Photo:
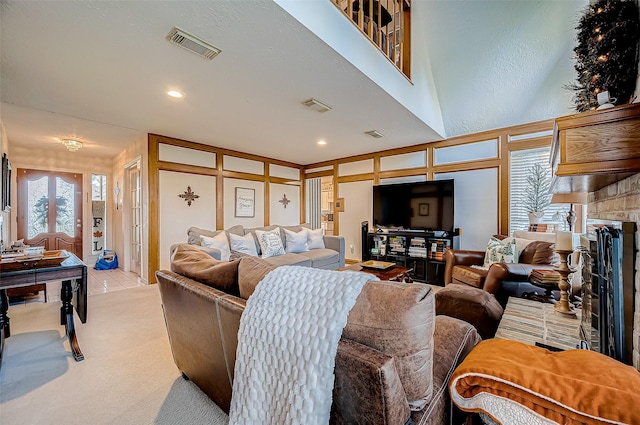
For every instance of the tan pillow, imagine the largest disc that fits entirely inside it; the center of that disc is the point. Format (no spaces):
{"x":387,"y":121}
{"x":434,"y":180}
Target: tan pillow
{"x":398,"y":320}
{"x":197,"y":265}
{"x":251,"y":270}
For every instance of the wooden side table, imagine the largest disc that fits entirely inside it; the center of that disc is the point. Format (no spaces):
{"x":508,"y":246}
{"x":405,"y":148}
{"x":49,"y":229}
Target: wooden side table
{"x":534,"y":322}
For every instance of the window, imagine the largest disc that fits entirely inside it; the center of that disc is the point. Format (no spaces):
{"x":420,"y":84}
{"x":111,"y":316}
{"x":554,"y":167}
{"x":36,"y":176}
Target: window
{"x":520,"y":163}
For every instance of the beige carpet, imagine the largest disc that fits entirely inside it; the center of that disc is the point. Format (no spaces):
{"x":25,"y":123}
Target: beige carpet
{"x":128,"y":375}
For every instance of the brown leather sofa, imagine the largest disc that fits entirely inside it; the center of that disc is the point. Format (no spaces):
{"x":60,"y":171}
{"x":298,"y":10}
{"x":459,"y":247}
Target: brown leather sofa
{"x":501,"y":279}
{"x":202,"y":314}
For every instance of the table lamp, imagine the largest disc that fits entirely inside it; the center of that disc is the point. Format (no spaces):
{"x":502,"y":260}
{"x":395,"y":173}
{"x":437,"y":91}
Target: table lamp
{"x":570,"y":198}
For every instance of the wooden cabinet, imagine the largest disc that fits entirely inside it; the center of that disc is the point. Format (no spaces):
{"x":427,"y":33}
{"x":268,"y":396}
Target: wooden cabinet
{"x":592,"y":150}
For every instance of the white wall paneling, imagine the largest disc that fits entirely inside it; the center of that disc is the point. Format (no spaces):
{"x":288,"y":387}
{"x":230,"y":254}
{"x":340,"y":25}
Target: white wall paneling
{"x":278,"y":213}
{"x":405,"y":160}
{"x":407,"y":179}
{"x":176,"y":216}
{"x":187,"y":156}
{"x":356,"y":167}
{"x":284,"y":172}
{"x":233,"y":163}
{"x":358,"y":207}
{"x":468,"y":152}
{"x":229,"y":203}
{"x":530,"y":135}
{"x":475,"y":205}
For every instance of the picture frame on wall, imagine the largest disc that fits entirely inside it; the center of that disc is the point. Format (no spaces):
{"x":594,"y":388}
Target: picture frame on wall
{"x":423,"y":209}
{"x":245,"y":202}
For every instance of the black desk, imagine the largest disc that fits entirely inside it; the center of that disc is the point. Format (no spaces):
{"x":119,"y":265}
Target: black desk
{"x":73,"y":274}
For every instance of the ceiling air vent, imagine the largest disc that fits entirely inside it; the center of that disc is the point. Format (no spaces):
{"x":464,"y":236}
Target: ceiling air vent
{"x":316,"y":105}
{"x":193,"y":43}
{"x":374,"y":133}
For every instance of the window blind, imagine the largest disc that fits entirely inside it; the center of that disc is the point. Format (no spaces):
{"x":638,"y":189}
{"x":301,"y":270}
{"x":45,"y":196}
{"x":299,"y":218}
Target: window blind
{"x":520,"y":163}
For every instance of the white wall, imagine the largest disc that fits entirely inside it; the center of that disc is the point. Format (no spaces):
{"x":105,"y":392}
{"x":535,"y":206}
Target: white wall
{"x":176,"y":216}
{"x":475,"y":205}
{"x":279,"y":214}
{"x":358,"y":207}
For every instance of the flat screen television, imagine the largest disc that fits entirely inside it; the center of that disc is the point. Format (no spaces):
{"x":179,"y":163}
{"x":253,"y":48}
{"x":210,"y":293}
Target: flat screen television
{"x":414,"y":206}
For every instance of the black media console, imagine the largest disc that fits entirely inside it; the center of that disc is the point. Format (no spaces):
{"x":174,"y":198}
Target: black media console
{"x":422,"y":251}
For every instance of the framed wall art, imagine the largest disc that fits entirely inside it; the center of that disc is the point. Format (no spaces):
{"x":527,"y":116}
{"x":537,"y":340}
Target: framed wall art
{"x":245,"y":202}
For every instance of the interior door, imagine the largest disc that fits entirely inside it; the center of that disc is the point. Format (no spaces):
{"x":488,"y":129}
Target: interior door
{"x":50,"y":209}
{"x":135,"y":236}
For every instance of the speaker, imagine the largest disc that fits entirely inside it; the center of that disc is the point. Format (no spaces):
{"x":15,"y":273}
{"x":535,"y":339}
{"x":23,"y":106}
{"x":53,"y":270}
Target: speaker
{"x":364,"y":232}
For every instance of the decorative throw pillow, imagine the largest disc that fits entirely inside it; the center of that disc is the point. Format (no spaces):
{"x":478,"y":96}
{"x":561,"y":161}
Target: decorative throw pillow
{"x":296,"y":241}
{"x":270,"y":243}
{"x":245,"y":244}
{"x":501,"y":251}
{"x":315,"y":239}
{"x":220,"y":242}
{"x":251,"y":271}
{"x":195,"y":264}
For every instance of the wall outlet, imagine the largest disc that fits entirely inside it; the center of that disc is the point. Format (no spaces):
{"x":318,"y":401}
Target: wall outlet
{"x":351,"y":248}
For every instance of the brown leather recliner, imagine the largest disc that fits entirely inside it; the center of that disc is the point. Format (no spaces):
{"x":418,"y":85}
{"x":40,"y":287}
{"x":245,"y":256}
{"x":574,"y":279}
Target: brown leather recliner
{"x":501,"y":279}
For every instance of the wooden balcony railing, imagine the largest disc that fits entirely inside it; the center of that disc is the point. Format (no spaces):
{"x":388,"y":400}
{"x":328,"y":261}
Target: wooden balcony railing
{"x":387,"y":23}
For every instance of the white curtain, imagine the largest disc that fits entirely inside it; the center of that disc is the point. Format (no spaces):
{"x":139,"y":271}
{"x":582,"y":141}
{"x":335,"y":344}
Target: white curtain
{"x":314,"y":202}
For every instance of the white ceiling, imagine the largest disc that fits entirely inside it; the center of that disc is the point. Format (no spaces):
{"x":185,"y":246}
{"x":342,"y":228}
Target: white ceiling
{"x":99,"y":71}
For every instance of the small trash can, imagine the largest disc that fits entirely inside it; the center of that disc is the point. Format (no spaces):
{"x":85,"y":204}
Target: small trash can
{"x":107,"y":260}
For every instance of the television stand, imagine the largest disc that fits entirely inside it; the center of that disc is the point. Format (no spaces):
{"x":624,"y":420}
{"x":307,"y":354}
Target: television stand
{"x":419,"y":250}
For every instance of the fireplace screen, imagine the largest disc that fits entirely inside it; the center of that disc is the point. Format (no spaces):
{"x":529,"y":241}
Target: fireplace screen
{"x":608,"y":288}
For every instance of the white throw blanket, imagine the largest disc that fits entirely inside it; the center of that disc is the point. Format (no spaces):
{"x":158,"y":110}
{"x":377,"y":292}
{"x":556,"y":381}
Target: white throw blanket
{"x":287,"y":344}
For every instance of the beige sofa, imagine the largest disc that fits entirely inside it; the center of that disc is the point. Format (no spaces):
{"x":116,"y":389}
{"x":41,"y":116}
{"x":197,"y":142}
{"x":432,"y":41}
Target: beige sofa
{"x":330,"y":257}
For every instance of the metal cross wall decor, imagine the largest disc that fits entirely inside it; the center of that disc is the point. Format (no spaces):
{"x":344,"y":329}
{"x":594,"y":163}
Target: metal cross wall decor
{"x":189,"y":196}
{"x":284,"y":201}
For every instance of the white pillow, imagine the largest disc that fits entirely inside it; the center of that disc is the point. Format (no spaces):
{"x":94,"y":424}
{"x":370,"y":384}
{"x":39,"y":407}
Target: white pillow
{"x":270,"y":242}
{"x":315,"y":239}
{"x":220,"y":242}
{"x":498,"y":251}
{"x":245,"y":244}
{"x":296,"y":242}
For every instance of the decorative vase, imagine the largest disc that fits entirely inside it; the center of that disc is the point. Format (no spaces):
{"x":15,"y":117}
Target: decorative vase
{"x":535,"y":217}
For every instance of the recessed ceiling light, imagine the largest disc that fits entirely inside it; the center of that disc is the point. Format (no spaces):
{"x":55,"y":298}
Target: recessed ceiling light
{"x":175,"y":93}
{"x":322,"y":142}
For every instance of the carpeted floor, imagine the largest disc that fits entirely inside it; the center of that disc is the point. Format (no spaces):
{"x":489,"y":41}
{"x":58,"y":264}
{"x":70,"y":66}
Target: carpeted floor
{"x":128,"y":375}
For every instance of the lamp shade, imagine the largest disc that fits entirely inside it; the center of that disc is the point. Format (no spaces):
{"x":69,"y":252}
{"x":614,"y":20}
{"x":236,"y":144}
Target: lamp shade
{"x":569,"y":198}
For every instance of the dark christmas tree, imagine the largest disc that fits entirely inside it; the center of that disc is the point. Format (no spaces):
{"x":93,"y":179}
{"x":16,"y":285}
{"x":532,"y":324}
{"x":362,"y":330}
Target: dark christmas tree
{"x":607,"y":52}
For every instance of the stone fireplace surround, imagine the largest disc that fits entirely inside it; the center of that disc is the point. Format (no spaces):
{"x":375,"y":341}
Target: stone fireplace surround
{"x":621,"y":201}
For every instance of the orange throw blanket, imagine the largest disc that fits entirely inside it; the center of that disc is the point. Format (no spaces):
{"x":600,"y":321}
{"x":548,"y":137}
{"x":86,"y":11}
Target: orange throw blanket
{"x":509,"y":381}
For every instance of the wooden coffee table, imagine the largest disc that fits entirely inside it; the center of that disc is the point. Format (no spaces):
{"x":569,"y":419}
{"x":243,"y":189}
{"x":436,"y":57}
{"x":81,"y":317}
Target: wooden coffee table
{"x":394,"y":273}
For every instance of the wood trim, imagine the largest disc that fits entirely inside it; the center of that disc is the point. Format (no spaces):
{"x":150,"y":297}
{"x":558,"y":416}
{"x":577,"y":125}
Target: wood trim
{"x":219,"y":193}
{"x":405,"y":172}
{"x":467,"y":165}
{"x":504,"y":208}
{"x":266,"y":205}
{"x":328,"y":173}
{"x":356,"y":178}
{"x":244,"y":176}
{"x":537,"y":142}
{"x":154,"y":207}
{"x":186,"y":168}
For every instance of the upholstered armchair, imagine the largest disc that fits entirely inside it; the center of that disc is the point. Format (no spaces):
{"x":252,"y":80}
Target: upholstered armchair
{"x":501,"y":279}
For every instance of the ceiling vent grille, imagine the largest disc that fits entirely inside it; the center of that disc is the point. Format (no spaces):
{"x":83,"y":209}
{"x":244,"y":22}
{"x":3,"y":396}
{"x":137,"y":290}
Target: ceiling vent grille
{"x":374,"y":133}
{"x":316,"y":105}
{"x":192,"y":43}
